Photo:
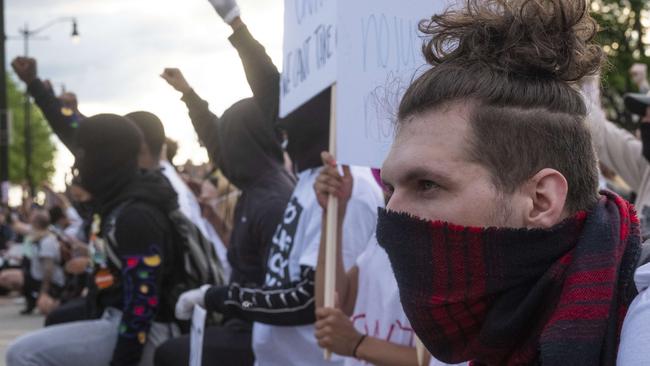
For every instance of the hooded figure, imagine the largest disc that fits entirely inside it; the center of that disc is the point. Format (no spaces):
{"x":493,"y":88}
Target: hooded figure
{"x":246,"y":147}
{"x":106,"y":159}
{"x":153,"y":134}
{"x":247,"y":150}
{"x":134,"y":262}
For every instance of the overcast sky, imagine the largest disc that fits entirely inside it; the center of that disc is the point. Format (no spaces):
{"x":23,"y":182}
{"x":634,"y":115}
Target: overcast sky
{"x":125,"y":44}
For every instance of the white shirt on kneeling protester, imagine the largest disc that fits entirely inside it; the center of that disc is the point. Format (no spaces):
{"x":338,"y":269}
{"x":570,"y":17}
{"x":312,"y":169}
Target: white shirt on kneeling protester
{"x":296,"y":244}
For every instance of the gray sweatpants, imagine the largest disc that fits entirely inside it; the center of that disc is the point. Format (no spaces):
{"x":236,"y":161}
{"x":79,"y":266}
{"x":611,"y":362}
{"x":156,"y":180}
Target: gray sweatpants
{"x":82,"y":343}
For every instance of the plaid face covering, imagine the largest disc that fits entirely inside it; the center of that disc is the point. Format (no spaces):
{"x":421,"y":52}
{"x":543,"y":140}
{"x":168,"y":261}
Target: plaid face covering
{"x":500,"y":296}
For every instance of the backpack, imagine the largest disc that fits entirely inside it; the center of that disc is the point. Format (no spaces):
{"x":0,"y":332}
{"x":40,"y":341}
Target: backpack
{"x":200,"y":262}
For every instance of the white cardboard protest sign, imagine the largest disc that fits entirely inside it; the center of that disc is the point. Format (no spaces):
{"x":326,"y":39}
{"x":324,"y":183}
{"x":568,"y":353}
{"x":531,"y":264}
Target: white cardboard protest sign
{"x":196,"y":335}
{"x":379,"y":55}
{"x":309,"y":51}
{"x":371,"y":49}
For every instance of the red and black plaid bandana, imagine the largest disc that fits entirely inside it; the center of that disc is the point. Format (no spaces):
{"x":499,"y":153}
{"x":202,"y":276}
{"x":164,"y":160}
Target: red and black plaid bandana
{"x":500,"y":296}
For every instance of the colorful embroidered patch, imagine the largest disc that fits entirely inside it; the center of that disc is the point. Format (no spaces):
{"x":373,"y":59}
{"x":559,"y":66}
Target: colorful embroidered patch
{"x":104,"y":279}
{"x":67,"y":112}
{"x":139,"y":276}
{"x":152,"y":261}
{"x":153,"y":301}
{"x":138,"y":310}
{"x":132,"y":262}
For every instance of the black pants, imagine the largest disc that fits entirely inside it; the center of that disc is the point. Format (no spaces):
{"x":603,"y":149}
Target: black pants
{"x":31,"y":287}
{"x":71,"y":311}
{"x":225,"y":345}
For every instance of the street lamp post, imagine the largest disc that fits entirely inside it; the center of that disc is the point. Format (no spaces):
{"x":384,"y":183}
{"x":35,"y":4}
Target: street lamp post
{"x":26,"y":34}
{"x":4,"y":128}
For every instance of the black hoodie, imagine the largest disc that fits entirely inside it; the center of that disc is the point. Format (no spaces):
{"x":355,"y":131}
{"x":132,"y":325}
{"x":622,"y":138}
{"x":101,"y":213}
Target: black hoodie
{"x":307,"y":127}
{"x":106,"y":156}
{"x":64,"y":125}
{"x":308,"y":133}
{"x":246,"y":147}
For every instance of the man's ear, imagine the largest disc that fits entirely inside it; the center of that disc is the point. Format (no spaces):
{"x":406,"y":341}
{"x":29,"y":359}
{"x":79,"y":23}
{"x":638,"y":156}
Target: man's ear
{"x":144,"y":157}
{"x":547,"y":192}
{"x":163,"y":153}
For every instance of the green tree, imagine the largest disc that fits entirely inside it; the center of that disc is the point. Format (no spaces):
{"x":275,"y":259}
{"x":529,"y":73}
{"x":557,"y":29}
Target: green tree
{"x":43,"y":147}
{"x":625,"y":38}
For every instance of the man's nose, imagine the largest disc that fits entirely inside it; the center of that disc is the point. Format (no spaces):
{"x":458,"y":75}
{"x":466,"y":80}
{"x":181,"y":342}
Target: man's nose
{"x":397,"y":202}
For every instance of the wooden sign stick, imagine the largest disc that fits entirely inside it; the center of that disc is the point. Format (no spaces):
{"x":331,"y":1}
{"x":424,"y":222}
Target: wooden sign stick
{"x":331,"y":234}
{"x":420,"y":350}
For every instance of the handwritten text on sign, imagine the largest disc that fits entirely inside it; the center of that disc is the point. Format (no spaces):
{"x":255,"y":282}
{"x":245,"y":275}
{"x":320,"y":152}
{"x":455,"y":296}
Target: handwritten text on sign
{"x":379,"y":56}
{"x":309,"y":62}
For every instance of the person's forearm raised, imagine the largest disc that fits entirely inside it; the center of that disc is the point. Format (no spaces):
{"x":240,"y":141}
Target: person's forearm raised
{"x":204,"y":121}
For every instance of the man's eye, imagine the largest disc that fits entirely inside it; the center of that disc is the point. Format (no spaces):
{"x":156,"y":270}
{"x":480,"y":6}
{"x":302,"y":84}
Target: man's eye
{"x":427,"y":185}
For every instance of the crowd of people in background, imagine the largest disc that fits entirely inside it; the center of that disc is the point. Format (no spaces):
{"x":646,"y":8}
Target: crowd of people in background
{"x":483,"y":235}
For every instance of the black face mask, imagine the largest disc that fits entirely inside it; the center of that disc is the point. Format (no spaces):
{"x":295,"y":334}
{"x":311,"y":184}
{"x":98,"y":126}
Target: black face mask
{"x":499,"y":295}
{"x":107,"y":155}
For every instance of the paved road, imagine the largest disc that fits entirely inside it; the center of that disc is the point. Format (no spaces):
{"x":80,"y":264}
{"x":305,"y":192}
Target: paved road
{"x":12,"y":324}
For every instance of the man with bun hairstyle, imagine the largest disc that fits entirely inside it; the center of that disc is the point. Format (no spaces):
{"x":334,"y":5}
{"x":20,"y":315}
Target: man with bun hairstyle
{"x":503,"y":250}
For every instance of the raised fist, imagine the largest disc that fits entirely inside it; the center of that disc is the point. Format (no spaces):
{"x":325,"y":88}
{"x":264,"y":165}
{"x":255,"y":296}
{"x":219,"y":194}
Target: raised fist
{"x":25,"y":68}
{"x":175,"y":78}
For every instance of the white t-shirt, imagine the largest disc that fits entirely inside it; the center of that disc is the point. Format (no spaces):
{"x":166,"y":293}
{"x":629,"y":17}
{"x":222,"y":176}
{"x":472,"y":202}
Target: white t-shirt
{"x":189,"y":206}
{"x":296,"y":243}
{"x":378,"y":312}
{"x":47,"y":247}
{"x":635,"y":335}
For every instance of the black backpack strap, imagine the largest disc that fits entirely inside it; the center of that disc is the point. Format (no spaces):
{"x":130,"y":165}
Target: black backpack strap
{"x":108,"y":233}
{"x":200,"y":258}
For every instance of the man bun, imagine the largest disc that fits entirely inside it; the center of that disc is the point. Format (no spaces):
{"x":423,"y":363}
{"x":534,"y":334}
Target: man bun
{"x":539,"y":39}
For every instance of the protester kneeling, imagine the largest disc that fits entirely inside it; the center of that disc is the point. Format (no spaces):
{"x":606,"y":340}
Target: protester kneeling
{"x":135,"y":259}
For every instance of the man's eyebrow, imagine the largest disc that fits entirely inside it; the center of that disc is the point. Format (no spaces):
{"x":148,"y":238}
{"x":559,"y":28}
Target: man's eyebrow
{"x":418,"y":173}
